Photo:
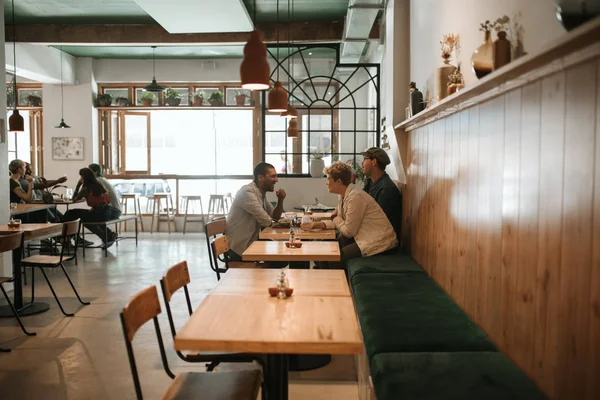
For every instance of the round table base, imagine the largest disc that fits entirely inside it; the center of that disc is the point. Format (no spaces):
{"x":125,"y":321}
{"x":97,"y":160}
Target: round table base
{"x":35,"y":308}
{"x":307,"y":362}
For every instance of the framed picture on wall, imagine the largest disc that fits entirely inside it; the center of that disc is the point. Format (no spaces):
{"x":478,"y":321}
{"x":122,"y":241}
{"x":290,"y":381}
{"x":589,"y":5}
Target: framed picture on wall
{"x":67,"y":148}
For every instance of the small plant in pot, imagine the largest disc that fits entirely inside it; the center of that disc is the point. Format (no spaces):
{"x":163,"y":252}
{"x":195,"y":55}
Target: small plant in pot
{"x":216,"y":99}
{"x":240,"y":98}
{"x":172,"y":97}
{"x":146,"y":99}
{"x":104,"y":100}
{"x":122,"y":102}
{"x":317,"y":164}
{"x":198,"y":98}
{"x":34,"y":100}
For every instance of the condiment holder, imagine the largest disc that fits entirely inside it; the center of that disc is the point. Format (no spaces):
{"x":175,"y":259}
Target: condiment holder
{"x":282,"y":291}
{"x":293,"y":245}
{"x":14,"y":223}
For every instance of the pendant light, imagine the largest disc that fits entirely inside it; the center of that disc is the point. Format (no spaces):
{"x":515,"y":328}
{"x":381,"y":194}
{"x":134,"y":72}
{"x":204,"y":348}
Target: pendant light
{"x":15,"y":121}
{"x":255,"y":72}
{"x":292,"y":131}
{"x":62,"y":96}
{"x":277,"y":96}
{"x":291,"y":112}
{"x":153,"y":86}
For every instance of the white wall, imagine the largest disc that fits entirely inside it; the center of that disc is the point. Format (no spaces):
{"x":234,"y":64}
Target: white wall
{"x":303,"y":191}
{"x":40,"y":63}
{"x":430,"y":19}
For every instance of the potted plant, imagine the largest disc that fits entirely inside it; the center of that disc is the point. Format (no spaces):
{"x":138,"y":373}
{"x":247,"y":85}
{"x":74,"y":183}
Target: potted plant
{"x":147,"y":98}
{"x":122,"y":102}
{"x":172,"y":97}
{"x":104,"y":100}
{"x":359,"y":174}
{"x":317,"y":164}
{"x":198,"y":98}
{"x":240,"y":98}
{"x":33,"y":100}
{"x":216,"y":99}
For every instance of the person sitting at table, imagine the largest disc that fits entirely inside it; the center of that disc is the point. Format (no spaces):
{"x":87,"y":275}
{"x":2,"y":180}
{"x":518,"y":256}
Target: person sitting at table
{"x":115,"y":200}
{"x":251,"y":210}
{"x":19,"y":195}
{"x":381,"y":187}
{"x":39,"y":183}
{"x":363,"y":226}
{"x":97,"y":198}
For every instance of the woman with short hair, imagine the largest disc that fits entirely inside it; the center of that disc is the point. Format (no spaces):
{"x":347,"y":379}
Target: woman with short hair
{"x":363,"y":226}
{"x":17,"y":194}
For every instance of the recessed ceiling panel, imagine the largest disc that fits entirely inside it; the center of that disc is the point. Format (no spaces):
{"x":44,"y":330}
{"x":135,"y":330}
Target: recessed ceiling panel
{"x":199,"y":16}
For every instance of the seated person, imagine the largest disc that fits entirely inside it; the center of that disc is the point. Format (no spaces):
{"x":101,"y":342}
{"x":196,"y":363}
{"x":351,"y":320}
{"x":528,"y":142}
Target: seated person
{"x":251,"y":210}
{"x":19,"y":195}
{"x":364,"y":228}
{"x":381,"y":187}
{"x":39,"y":183}
{"x":96,"y":197}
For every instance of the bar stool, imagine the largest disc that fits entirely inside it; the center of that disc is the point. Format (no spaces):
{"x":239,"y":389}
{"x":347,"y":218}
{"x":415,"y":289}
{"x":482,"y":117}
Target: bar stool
{"x":137,"y":209}
{"x":216,"y":204}
{"x":195,"y":200}
{"x":228,"y":202}
{"x":160,"y":199}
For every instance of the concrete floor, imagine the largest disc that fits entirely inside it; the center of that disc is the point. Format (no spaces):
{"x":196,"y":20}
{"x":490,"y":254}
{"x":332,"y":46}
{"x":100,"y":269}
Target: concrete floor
{"x":84,"y":357}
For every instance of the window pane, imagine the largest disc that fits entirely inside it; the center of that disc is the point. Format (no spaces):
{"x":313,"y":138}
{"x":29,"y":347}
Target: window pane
{"x":233,"y":130}
{"x":117,"y":93}
{"x":136,"y":142}
{"x":24,"y":139}
{"x":275,"y":142}
{"x":231,"y":93}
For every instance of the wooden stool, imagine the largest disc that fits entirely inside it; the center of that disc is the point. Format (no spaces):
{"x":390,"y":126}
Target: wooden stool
{"x":186,"y":200}
{"x":137,"y":210}
{"x":215,"y":204}
{"x":158,"y":199}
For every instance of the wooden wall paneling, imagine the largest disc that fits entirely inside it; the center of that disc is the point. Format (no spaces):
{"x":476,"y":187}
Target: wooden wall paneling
{"x":454,"y":197}
{"x":418,"y":156}
{"x":471,"y":280}
{"x":593,"y":369}
{"x":423,"y":211}
{"x":433,"y":195}
{"x":549,"y":230}
{"x":510,"y":215}
{"x":463,"y":197}
{"x":443,"y":200}
{"x":429,"y":202}
{"x":523,"y":322}
{"x":577,"y":231}
{"x":407,"y":198}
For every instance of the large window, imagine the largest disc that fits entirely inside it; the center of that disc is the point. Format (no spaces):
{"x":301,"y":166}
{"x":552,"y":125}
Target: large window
{"x":338,"y":110}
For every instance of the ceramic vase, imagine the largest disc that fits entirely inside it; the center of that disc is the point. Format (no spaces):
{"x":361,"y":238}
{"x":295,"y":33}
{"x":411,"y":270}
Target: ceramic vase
{"x":442,"y":79}
{"x":316,"y":168}
{"x":502,"y":50}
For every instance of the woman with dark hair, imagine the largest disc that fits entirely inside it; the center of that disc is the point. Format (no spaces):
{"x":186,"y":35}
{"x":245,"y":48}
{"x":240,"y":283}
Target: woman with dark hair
{"x":97,"y":198}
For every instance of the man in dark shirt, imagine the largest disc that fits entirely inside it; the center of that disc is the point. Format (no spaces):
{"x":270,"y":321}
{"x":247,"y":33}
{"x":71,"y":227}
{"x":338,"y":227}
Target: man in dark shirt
{"x":381,"y":187}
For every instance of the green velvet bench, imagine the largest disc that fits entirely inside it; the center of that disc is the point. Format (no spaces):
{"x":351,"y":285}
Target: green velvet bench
{"x":382,"y":263}
{"x":409,"y":312}
{"x":450,"y":376}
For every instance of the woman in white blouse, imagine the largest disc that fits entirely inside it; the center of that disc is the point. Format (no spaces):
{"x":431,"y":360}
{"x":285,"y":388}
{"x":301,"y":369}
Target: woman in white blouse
{"x":363,"y":226}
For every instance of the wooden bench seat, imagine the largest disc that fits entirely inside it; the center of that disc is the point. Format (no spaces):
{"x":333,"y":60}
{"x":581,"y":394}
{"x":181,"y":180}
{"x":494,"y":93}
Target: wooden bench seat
{"x":115,"y":222}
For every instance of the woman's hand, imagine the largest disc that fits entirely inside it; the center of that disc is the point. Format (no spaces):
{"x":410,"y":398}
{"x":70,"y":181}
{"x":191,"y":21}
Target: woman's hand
{"x":307,"y":226}
{"x":28,"y":178}
{"x":334,"y":214}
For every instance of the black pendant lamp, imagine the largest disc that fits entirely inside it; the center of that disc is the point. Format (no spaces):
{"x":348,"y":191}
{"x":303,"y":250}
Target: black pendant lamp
{"x":153,"y":86}
{"x":62,"y":96}
{"x":16,"y":123}
{"x":277,"y":99}
{"x":291,"y":112}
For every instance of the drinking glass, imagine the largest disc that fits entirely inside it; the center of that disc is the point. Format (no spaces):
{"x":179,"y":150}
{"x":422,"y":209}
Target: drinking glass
{"x":68,"y":194}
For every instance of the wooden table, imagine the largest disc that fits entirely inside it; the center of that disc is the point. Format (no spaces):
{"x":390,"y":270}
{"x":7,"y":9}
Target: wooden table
{"x":306,"y":282}
{"x":276,"y":251}
{"x":29,"y":208}
{"x":32,"y":232}
{"x":318,"y":216}
{"x":270,"y":233}
{"x":264,"y":324}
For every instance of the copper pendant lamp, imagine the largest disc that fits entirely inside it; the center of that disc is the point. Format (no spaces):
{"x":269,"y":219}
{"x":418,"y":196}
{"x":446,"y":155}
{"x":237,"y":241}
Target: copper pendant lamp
{"x":291,"y":112}
{"x":277,"y":99}
{"x":153,"y":87}
{"x":62,"y":124}
{"x":16,"y":123}
{"x":292,"y":131}
{"x":255,"y":71}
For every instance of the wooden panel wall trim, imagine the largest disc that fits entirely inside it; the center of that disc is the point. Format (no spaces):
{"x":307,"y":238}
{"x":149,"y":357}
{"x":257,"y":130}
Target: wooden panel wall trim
{"x":504,"y":213}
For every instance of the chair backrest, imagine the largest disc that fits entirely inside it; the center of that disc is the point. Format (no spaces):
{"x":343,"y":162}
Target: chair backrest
{"x":142,"y":308}
{"x":212,"y":230}
{"x":69,"y":229}
{"x":174,"y":279}
{"x":11,"y":241}
{"x":219,"y":246}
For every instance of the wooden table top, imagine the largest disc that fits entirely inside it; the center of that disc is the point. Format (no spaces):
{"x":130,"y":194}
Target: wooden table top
{"x":27,"y":208}
{"x":317,"y":216}
{"x":270,"y":233}
{"x":276,"y":251}
{"x":264,"y":324}
{"x":33,"y":231}
{"x":305,"y":282}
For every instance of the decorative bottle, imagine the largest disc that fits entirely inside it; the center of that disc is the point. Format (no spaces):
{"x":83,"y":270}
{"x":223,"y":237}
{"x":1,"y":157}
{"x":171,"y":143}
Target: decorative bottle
{"x":483,"y":58}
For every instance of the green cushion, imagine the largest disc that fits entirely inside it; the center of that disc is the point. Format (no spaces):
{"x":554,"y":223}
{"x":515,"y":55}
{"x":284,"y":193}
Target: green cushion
{"x":384,"y":263}
{"x":450,"y":376}
{"x":411,"y":313}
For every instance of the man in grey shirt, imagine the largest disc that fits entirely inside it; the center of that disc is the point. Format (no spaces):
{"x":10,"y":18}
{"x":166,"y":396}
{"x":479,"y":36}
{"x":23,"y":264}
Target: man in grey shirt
{"x":115,"y":199}
{"x":251,"y":210}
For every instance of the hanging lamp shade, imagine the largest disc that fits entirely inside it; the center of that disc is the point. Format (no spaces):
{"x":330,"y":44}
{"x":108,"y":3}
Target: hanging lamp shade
{"x":293,"y":128}
{"x":16,"y":122}
{"x":153,"y":87}
{"x":62,"y":124}
{"x":255,"y":71}
{"x":277,"y":98}
{"x":291,"y":112}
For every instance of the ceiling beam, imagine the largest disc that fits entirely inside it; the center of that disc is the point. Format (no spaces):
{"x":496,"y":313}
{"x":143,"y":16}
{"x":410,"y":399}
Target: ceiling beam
{"x":131,"y":35}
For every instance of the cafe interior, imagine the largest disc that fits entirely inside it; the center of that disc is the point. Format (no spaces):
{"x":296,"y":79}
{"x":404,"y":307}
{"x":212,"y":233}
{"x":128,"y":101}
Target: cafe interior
{"x":483,"y":115}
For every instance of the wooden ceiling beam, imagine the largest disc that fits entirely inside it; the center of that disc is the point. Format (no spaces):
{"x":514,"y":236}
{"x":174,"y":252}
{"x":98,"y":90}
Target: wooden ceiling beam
{"x":115,"y":35}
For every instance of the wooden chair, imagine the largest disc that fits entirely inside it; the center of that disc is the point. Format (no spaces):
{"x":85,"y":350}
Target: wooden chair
{"x":9,"y":243}
{"x":216,"y":242}
{"x":70,"y":229}
{"x":236,"y":385}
